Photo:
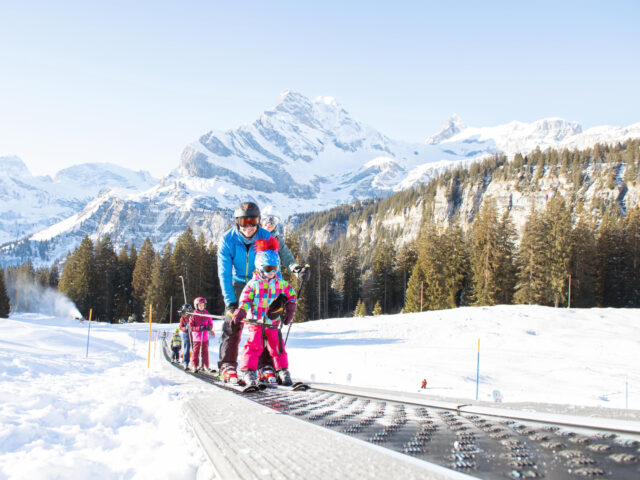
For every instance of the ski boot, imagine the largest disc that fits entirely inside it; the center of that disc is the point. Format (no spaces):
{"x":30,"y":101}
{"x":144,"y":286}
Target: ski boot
{"x":249,"y":378}
{"x":228,"y":374}
{"x":267,"y":375}
{"x":284,"y":377}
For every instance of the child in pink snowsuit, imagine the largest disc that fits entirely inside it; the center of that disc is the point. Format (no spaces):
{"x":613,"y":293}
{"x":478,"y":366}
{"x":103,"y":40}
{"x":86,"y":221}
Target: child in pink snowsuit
{"x":256,"y":298}
{"x":200,"y":327}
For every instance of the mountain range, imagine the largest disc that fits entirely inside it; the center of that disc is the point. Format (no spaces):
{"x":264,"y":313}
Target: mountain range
{"x":301,"y":156}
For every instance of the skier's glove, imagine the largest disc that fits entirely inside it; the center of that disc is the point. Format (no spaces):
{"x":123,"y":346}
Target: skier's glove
{"x":289,"y":311}
{"x":303,"y":272}
{"x":238,"y":316}
{"x":231,"y":308}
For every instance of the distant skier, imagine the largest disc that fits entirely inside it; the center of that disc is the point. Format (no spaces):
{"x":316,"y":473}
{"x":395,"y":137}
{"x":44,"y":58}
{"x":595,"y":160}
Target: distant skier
{"x":257,"y":303}
{"x":184,"y":312}
{"x":200,"y":327}
{"x":176,"y":345}
{"x":424,"y":383}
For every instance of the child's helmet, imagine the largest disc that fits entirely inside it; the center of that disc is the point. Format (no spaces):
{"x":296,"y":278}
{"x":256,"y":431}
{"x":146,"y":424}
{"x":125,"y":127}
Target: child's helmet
{"x":198,"y":300}
{"x":267,"y":255}
{"x":177,"y":330}
{"x":184,"y":309}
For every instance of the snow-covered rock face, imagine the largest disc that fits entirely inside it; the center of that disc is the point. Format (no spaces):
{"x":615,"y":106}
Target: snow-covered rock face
{"x":301,"y":156}
{"x":452,"y":127}
{"x":30,"y":203}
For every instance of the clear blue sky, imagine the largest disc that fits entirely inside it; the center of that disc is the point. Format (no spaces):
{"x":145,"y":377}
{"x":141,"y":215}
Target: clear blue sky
{"x":132,"y":82}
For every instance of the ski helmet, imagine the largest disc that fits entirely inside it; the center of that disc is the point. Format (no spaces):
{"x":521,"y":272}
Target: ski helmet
{"x":184,"y":309}
{"x":198,"y":300}
{"x":267,"y":255}
{"x":271,"y":218}
{"x":246,"y":209}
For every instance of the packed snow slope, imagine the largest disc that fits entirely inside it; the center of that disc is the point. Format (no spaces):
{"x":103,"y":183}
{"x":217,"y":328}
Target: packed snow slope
{"x":66,"y":414}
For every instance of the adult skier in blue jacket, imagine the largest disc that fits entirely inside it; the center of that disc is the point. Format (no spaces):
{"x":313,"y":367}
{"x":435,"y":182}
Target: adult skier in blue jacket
{"x":236,"y":262}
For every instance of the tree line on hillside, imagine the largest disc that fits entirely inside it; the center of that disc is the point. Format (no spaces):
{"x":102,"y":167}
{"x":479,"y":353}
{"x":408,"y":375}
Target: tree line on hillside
{"x":131,"y":284}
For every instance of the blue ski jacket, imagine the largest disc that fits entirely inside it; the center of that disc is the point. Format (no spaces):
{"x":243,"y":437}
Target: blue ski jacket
{"x":236,"y":260}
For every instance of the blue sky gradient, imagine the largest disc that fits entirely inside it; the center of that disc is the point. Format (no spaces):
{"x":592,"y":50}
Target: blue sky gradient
{"x":132,"y":83}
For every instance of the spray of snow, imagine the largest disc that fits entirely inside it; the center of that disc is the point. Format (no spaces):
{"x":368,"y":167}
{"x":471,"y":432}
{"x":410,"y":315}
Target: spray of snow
{"x":27,"y":296}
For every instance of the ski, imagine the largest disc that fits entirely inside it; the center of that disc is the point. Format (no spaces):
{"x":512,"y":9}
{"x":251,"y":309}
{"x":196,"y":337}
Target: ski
{"x":241,"y":388}
{"x":237,"y":387}
{"x":297,"y":386}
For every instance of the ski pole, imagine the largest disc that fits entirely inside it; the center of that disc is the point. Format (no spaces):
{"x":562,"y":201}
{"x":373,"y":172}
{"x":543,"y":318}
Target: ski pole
{"x":183,"y":290}
{"x":289,"y":329}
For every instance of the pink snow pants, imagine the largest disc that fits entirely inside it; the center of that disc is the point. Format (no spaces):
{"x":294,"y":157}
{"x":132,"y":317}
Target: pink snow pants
{"x":253,"y":348}
{"x":200,"y":347}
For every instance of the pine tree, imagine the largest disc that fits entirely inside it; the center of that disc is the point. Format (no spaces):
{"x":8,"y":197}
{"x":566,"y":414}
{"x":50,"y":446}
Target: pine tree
{"x":415,"y":290}
{"x":383,"y":275}
{"x":431,"y":260}
{"x":207,"y":272}
{"x":361,"y":309}
{"x":54,"y":275}
{"x":106,"y":280}
{"x":377,"y":310}
{"x":507,"y":270}
{"x":456,"y":267}
{"x":533,"y":286}
{"x":18,"y":280}
{"x":558,"y":222}
{"x":582,"y":264}
{"x":611,"y":262}
{"x":142,"y":277}
{"x":78,"y":279}
{"x":123,"y":301}
{"x":5,"y":302}
{"x":319,"y":287}
{"x":186,"y":262}
{"x":161,"y":287}
{"x":350,"y":281}
{"x":486,"y":255}
{"x":302,"y":290}
{"x":406,"y":259}
{"x":632,"y":247}
{"x":443,"y":263}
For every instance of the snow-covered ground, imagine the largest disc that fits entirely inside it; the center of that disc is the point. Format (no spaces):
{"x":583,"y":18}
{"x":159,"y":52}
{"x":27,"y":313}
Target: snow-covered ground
{"x":64,"y":414}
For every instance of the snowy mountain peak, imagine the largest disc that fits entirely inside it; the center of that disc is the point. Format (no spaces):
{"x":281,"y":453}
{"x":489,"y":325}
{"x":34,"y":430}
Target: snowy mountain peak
{"x":13,"y":166}
{"x":452,"y":127}
{"x":326,"y":100}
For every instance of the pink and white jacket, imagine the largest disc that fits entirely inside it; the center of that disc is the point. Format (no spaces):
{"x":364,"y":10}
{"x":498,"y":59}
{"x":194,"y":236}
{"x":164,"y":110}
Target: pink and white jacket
{"x":260,"y":292}
{"x":200,"y":326}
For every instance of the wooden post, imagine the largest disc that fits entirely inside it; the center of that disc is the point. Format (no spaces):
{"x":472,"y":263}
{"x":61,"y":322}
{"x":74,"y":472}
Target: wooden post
{"x":89,"y":332}
{"x":149,"y":349}
{"x":478,"y":370}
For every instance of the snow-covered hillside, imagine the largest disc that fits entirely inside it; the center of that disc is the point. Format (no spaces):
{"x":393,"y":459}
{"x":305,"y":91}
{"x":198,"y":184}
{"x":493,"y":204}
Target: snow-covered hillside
{"x":107,"y":415}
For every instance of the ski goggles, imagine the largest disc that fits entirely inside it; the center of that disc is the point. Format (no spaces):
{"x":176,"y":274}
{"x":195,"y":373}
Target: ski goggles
{"x":248,"y":221}
{"x":272,"y":219}
{"x":270,"y":268}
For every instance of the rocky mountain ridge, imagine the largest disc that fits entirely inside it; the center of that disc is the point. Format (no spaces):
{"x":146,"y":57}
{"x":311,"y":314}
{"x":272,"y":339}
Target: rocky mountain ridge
{"x":301,"y":156}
